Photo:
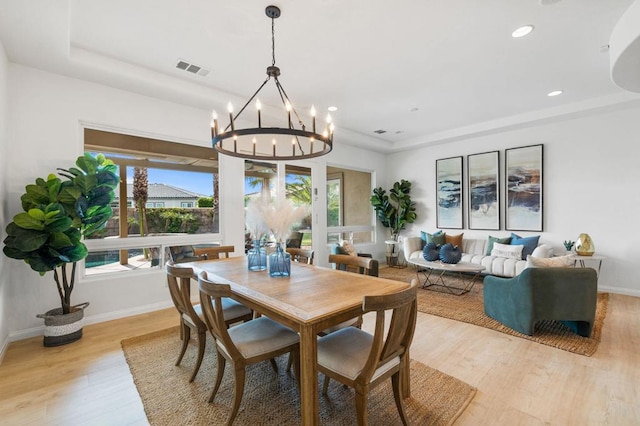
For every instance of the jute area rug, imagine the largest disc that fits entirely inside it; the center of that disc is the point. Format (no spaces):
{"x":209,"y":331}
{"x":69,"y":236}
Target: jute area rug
{"x":469,"y":308}
{"x":272,"y":398}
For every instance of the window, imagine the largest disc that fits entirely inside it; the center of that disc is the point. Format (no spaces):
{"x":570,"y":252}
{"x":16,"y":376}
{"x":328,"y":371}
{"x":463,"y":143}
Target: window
{"x":168,"y":179}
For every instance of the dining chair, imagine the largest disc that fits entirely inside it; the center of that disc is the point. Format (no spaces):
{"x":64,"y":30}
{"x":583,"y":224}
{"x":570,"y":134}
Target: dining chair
{"x":360,"y":264}
{"x":179,"y":281}
{"x":301,"y":255}
{"x":216,"y":252}
{"x":362,"y":361}
{"x":249,"y":343}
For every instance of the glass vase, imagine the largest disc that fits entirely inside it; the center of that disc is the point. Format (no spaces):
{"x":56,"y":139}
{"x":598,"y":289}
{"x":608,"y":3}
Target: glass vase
{"x":256,"y":257}
{"x":280,"y":262}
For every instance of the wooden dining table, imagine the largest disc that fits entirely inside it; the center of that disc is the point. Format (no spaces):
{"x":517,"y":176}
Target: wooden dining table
{"x":312,"y":299}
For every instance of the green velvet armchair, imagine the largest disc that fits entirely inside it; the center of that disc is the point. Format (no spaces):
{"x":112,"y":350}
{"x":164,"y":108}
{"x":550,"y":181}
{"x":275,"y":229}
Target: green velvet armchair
{"x":563,"y":294}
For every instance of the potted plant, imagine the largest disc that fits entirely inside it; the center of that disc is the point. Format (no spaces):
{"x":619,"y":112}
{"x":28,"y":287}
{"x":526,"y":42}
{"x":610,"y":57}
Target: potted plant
{"x":396,"y":209}
{"x":47,"y":235}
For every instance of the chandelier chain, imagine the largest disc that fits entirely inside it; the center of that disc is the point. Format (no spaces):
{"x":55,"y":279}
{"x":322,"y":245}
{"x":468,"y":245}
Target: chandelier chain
{"x":273,"y":42}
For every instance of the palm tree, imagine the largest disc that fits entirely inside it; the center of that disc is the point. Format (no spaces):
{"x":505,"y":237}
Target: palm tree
{"x":140,"y":195}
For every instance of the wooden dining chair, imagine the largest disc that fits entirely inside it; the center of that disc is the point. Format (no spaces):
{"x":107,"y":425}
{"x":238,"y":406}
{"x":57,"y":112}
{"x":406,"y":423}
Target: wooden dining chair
{"x":301,"y":255}
{"x":249,"y":343}
{"x":360,"y":264}
{"x":179,"y":281}
{"x":362,"y":361}
{"x":216,"y":252}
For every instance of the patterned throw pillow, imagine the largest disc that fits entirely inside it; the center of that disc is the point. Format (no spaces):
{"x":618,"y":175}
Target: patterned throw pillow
{"x":492,"y":240}
{"x":508,"y":251}
{"x":450,"y":254}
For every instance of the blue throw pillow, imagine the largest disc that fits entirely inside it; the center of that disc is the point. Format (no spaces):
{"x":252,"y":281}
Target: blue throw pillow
{"x":431,"y":252}
{"x":437,"y":237}
{"x":450,"y":254}
{"x":529,"y":243}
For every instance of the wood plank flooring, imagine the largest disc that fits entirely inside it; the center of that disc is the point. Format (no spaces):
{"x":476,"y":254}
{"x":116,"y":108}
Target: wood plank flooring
{"x":519,"y":382}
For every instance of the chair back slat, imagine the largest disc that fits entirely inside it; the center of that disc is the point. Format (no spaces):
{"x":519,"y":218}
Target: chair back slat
{"x":179,"y":282}
{"x":358,"y":264}
{"x":211,"y":253}
{"x":211,"y":295}
{"x":301,"y":255}
{"x":401,"y":328}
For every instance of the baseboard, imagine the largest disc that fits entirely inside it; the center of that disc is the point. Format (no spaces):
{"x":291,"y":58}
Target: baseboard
{"x":88,"y":320}
{"x":618,"y":290}
{"x":3,"y":349}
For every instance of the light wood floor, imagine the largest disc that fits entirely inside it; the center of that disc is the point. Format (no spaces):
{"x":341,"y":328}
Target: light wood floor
{"x":519,"y":382}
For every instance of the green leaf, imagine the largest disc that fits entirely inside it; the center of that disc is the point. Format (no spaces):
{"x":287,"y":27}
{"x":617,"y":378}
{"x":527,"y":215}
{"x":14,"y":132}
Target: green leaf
{"x":59,"y":240}
{"x":29,"y":240}
{"x":37,"y":214}
{"x":59,"y":225}
{"x":26,"y":221}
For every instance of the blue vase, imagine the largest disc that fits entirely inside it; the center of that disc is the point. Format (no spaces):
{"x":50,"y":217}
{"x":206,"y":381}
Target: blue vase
{"x":279,"y":262}
{"x":256,"y":257}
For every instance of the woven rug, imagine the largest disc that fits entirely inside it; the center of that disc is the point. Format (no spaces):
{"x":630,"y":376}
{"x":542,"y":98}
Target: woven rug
{"x":469,"y":308}
{"x":272,"y":398}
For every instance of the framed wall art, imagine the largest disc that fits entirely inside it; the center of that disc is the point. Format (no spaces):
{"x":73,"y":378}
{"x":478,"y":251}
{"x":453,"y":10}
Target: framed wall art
{"x":483,"y":204}
{"x":449,"y":193}
{"x":524,"y":177}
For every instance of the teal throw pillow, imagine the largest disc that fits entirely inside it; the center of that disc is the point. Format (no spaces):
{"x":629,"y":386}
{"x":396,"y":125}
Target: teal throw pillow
{"x":450,"y":254}
{"x":431,"y":252}
{"x":529,"y":243}
{"x":491,"y":240}
{"x":436,"y":238}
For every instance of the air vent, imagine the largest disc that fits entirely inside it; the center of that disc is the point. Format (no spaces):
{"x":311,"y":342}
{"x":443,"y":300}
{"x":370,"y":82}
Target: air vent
{"x":380,"y":131}
{"x":192,"y":68}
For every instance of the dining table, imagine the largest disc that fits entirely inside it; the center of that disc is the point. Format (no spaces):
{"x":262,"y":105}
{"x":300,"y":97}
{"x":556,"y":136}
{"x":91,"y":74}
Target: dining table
{"x":310,"y":300}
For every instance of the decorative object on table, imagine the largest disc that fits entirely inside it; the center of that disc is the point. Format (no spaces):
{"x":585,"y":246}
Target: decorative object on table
{"x":523,"y":169}
{"x":568,"y":244}
{"x":584,"y":245}
{"x":483,"y":207}
{"x":47,"y":235}
{"x":279,"y":217}
{"x":271,"y":142}
{"x":396,"y":209}
{"x":254,"y":222}
{"x":431,"y":252}
{"x":450,"y":253}
{"x":449,"y":193}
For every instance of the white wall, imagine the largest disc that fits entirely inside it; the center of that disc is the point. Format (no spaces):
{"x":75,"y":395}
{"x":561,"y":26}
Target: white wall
{"x":4,"y":270}
{"x":45,"y":127}
{"x":591,"y":178}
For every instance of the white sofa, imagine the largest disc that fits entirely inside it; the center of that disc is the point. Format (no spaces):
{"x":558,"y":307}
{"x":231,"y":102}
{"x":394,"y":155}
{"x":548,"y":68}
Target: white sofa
{"x":474,"y":251}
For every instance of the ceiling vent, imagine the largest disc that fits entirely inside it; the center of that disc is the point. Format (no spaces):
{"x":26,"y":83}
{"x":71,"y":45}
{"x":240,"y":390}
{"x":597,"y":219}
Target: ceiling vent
{"x":192,"y":68}
{"x":380,"y":131}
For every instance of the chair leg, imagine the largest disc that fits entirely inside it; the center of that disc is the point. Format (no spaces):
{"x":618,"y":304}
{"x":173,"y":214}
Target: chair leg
{"x":397,"y":395}
{"x":202,"y":338}
{"x":221,"y":364}
{"x":186,"y":335}
{"x":237,"y":394}
{"x":274,"y":365}
{"x":361,"y":408}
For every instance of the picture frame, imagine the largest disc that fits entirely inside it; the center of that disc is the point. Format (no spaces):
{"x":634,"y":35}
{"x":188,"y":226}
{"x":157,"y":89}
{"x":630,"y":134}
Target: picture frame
{"x":449,"y":193}
{"x":483,"y":189}
{"x":524,"y":188}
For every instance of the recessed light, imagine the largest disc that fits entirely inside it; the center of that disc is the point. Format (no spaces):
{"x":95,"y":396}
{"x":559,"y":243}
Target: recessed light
{"x":522,"y":31}
{"x":332,"y":108}
{"x":555,"y":93}
{"x":414,"y":109}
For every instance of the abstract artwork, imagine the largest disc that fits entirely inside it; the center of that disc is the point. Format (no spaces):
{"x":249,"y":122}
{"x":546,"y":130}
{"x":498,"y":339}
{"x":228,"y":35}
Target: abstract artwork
{"x":523,"y":169}
{"x":449,"y":193}
{"x":483,"y":206}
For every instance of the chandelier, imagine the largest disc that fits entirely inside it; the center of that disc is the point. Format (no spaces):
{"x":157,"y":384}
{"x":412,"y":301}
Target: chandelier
{"x":294,"y":141}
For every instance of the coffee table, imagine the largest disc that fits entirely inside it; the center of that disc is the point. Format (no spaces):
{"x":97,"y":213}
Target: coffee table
{"x":468,"y":273}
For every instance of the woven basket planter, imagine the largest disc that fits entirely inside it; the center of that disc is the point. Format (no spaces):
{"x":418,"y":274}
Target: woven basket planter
{"x":59,"y":328}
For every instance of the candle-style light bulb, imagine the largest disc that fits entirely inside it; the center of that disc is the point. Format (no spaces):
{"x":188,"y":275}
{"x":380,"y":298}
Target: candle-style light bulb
{"x":287,"y":106}
{"x":214,"y":123}
{"x":254,"y":146}
{"x":259,"y":108}
{"x":274,"y":146}
{"x":313,"y":117}
{"x":235,"y":143}
{"x":230,"y":109}
{"x":293,"y":145}
{"x":328,"y":118}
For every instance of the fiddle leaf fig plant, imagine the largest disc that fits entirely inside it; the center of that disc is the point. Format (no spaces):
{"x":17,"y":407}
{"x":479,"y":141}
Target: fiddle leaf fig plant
{"x":58,"y":213}
{"x":396,"y":209}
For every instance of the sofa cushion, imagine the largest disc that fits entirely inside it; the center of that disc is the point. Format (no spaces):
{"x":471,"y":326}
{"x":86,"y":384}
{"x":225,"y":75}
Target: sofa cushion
{"x":529,"y":243}
{"x":506,"y":250}
{"x":438,"y":237}
{"x":431,"y":252}
{"x":454,"y":240}
{"x":550,"y":262}
{"x":491,"y":240}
